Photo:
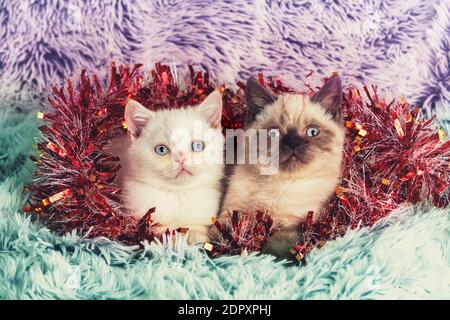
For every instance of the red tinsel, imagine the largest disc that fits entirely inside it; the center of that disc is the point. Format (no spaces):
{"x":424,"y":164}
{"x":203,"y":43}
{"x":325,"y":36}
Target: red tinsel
{"x":392,"y":156}
{"x":243,"y":231}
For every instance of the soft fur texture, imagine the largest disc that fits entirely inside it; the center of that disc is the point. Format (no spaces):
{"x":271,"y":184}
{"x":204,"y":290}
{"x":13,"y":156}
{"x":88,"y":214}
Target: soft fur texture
{"x":309,"y":168}
{"x":366,"y":41}
{"x":402,"y":46}
{"x":183,"y":185}
{"x":404,"y":257}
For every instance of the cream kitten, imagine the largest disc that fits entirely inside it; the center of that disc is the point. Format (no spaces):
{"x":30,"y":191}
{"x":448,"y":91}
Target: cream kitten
{"x":173,"y":160}
{"x":311,"y":139}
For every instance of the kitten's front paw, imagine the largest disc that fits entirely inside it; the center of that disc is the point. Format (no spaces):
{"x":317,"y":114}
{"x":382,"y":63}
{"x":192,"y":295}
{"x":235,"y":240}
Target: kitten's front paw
{"x":197,"y":234}
{"x":213,"y":234}
{"x":280,"y":242}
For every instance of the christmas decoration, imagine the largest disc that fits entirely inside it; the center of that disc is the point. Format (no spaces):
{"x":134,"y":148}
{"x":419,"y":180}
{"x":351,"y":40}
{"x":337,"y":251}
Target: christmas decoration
{"x":244,"y":232}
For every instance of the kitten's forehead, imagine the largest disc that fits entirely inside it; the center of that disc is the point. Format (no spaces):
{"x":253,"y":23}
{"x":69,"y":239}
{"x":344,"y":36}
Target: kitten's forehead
{"x":166,"y":121}
{"x":177,"y":128}
{"x":294,"y":110}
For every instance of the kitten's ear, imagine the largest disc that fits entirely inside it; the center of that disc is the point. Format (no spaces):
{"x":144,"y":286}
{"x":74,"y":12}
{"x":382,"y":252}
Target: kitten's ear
{"x":136,"y":117}
{"x":330,"y":96}
{"x":257,"y":98}
{"x":211,"y":108}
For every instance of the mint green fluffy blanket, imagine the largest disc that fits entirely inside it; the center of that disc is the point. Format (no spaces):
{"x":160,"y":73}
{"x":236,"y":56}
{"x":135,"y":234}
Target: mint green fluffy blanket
{"x":404,"y":256}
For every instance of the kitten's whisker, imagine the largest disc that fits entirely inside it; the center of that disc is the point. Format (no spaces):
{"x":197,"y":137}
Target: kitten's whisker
{"x":228,"y":178}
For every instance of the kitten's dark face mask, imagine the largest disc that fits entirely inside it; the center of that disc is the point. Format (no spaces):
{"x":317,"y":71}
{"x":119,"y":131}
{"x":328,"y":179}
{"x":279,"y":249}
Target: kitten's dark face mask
{"x":293,"y":150}
{"x":304,"y":136}
{"x":301,"y":147}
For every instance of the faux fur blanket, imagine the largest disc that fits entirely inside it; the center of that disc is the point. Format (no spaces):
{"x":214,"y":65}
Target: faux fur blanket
{"x":402,"y":46}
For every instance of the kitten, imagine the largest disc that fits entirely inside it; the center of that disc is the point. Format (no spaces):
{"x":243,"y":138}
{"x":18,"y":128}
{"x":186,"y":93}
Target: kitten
{"x":311,"y":140}
{"x":173,"y":160}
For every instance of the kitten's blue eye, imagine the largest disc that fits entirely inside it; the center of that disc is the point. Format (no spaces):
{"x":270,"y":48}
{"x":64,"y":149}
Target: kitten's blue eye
{"x":161,"y":150}
{"x":198,"y":146}
{"x":274,"y":133}
{"x":312,"y":132}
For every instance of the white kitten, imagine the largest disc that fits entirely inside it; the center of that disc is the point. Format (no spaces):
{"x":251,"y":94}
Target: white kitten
{"x":173,"y":160}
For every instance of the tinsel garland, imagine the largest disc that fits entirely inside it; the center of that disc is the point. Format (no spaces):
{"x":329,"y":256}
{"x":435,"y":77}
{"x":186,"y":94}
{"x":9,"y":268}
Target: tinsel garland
{"x":392,"y":156}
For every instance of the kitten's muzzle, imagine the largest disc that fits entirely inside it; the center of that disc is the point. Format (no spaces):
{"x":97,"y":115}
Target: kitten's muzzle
{"x":293,"y":140}
{"x":292,"y":143}
{"x":292,"y":148}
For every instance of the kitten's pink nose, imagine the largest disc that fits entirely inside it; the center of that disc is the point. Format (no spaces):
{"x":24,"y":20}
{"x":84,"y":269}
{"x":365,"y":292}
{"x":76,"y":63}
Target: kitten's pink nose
{"x":180,"y":160}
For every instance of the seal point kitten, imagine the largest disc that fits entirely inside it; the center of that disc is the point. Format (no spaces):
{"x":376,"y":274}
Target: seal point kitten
{"x":173,"y":160}
{"x":311,"y":140}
